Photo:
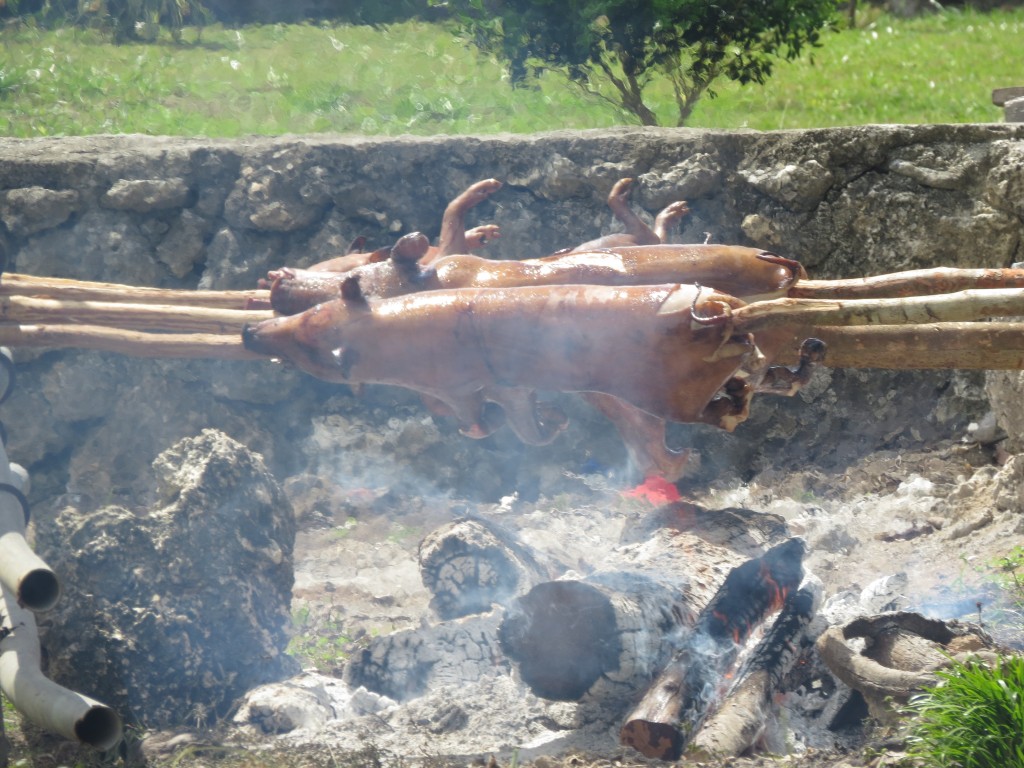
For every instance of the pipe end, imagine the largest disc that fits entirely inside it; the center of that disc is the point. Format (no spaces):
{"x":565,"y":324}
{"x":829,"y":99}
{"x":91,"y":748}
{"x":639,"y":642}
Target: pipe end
{"x":99,"y":727}
{"x":39,"y":590}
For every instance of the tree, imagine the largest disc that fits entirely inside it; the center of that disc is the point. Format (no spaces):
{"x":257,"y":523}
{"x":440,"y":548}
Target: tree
{"x":628,"y":43}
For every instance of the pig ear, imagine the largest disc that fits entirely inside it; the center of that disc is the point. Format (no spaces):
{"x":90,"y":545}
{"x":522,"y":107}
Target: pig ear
{"x":357,"y":245}
{"x":410,"y":248}
{"x":381,"y":254}
{"x":351,"y":293}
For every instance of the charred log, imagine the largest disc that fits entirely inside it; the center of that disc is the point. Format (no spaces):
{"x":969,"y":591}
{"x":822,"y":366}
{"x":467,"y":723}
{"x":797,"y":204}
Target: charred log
{"x":468,"y":565}
{"x":565,"y":636}
{"x":740,"y":721}
{"x":681,"y":698}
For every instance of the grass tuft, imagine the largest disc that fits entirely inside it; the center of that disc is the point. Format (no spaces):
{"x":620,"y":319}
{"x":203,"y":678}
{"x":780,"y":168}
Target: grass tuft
{"x":974,"y":718}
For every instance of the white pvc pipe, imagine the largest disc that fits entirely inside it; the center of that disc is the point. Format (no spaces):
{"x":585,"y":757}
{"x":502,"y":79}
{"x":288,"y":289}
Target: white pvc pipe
{"x":43,"y":702}
{"x":22,"y":571}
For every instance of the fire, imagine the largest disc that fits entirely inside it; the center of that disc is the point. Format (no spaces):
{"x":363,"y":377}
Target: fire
{"x":776,"y":592}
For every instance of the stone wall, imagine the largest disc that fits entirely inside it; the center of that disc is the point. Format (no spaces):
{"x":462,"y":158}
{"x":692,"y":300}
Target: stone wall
{"x":202,"y":213}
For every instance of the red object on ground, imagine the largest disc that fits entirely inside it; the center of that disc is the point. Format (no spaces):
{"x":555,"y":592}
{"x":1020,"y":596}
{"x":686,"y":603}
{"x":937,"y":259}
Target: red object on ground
{"x":656,"y":490}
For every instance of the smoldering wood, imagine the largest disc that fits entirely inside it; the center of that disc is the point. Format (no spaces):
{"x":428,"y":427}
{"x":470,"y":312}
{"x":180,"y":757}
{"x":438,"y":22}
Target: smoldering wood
{"x":565,"y":636}
{"x":682,"y":696}
{"x":604,"y":634}
{"x":738,"y":723}
{"x":470,"y":564}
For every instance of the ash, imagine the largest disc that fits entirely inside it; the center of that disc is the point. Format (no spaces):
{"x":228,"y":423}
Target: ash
{"x":894,"y":530}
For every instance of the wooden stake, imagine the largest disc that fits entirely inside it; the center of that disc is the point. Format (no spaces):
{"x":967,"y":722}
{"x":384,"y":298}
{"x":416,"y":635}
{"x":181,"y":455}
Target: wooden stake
{"x":966,"y":346}
{"x":12,"y":284}
{"x":917,"y":282}
{"x":125,"y":342}
{"x":27,"y":311}
{"x":975,"y":304}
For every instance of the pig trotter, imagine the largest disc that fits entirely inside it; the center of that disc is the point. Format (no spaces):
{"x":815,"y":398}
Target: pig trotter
{"x":731,"y":408}
{"x":781,"y":380}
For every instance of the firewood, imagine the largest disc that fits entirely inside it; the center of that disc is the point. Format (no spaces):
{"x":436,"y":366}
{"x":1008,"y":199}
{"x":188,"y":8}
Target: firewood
{"x":740,"y":721}
{"x":684,"y":694}
{"x":903,"y":651}
{"x":567,"y":635}
{"x":468,"y":565}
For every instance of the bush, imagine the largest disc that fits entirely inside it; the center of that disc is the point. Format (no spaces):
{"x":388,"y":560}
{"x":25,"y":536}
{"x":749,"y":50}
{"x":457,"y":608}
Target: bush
{"x":613,"y":49}
{"x":974,"y":718}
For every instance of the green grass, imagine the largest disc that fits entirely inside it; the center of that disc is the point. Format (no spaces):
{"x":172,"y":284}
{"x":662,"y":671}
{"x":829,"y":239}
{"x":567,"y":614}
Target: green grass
{"x":973,"y":719}
{"x":415,"y":78}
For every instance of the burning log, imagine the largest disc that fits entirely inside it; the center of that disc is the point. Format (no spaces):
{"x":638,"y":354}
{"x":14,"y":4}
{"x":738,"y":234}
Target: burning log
{"x":567,"y":636}
{"x":684,"y":693}
{"x":603,"y":636}
{"x":740,"y":720}
{"x":468,"y":565}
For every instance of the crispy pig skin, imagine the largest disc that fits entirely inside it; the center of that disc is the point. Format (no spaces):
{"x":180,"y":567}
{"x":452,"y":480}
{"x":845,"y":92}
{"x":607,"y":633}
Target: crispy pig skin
{"x":469,"y":347}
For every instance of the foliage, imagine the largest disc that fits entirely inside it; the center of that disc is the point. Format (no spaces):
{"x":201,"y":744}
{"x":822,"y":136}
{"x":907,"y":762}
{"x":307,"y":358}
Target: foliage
{"x":1010,"y":576}
{"x":974,"y":718}
{"x":125,"y":19}
{"x":141,"y":19}
{"x":321,"y":641}
{"x":626,"y":44}
{"x":414,"y":78}
{"x":1004,"y":616}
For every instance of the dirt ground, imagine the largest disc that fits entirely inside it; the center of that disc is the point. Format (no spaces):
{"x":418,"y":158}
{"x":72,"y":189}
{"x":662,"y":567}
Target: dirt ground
{"x":939,"y":516}
{"x":934,"y":518}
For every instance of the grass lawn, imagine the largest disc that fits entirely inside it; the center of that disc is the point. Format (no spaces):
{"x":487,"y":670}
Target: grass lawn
{"x":416,"y":78}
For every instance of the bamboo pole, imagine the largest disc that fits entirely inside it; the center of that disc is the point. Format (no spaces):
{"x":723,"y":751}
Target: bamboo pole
{"x":917,"y":282}
{"x":974,"y":304}
{"x":14,"y":284}
{"x":131,"y":343}
{"x":25,"y":311}
{"x":997,"y":346}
